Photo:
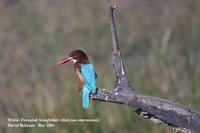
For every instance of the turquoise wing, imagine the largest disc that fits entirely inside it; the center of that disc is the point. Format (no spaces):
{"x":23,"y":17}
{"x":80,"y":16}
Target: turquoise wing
{"x":89,"y":76}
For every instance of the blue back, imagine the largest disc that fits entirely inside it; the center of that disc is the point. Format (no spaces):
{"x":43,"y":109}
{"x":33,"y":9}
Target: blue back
{"x":88,"y":72}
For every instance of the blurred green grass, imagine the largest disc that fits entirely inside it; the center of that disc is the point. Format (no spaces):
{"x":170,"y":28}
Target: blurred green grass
{"x":159,"y":42}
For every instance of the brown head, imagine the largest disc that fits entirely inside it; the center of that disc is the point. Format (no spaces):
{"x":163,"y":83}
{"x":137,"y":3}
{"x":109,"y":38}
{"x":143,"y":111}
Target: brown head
{"x":77,"y":56}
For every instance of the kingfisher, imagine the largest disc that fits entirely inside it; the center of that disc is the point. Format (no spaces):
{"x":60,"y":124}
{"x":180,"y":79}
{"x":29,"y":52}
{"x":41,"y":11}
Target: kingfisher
{"x":85,"y":73}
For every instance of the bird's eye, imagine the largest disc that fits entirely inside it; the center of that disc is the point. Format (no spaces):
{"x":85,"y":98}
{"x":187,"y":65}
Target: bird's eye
{"x":71,"y":55}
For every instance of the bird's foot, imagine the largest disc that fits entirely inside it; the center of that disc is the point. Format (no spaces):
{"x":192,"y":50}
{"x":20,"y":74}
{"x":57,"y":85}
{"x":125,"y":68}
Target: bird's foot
{"x":92,"y":94}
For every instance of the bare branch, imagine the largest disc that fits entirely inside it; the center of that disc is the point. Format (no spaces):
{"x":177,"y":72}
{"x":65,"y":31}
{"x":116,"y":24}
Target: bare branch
{"x":153,"y":108}
{"x":122,"y":79}
{"x":182,"y":118}
{"x":113,"y":27}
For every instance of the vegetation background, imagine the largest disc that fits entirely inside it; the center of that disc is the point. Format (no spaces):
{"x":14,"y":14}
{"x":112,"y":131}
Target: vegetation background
{"x":160,"y":43}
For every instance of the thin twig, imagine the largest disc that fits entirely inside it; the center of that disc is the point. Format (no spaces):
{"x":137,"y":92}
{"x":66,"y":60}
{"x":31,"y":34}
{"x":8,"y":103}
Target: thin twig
{"x":113,"y":27}
{"x":122,"y":79}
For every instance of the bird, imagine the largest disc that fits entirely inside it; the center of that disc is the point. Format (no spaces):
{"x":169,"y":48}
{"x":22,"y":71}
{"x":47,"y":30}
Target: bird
{"x":85,"y":73}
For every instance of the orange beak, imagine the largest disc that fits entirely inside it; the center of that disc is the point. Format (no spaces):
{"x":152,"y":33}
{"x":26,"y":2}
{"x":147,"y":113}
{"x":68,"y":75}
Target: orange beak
{"x":65,"y":60}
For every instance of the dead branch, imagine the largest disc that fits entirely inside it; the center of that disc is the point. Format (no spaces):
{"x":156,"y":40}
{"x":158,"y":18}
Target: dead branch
{"x":182,"y":118}
{"x":122,"y":82}
{"x":153,"y":108}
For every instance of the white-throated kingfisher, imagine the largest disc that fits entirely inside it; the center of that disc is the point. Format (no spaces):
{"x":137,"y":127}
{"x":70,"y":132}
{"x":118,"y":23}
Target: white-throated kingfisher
{"x":85,"y":73}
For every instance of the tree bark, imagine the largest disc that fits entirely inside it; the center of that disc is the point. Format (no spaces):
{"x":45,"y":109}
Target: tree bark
{"x":156,"y":109}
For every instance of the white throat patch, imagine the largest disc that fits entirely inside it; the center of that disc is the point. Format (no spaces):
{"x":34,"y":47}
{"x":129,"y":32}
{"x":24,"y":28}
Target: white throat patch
{"x":74,"y":60}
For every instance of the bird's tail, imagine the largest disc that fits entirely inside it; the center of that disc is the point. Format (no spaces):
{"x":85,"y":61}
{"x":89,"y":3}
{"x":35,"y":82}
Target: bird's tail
{"x":86,"y":96}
